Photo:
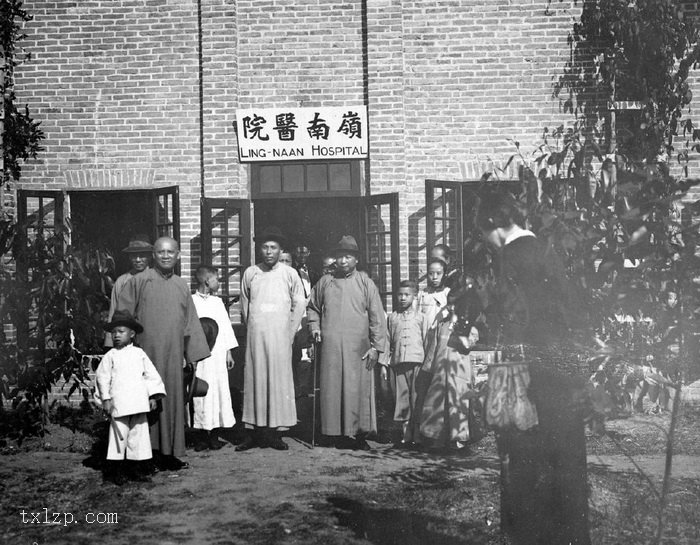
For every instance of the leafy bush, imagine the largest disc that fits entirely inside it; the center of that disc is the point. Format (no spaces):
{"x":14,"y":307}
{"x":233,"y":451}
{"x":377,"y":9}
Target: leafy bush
{"x":57,"y":304}
{"x":22,"y":135}
{"x":605,"y":196}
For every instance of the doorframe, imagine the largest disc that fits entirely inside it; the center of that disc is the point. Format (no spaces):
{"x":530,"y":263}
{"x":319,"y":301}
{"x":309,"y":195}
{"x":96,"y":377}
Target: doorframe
{"x":242,"y":206}
{"x":458,"y":218}
{"x":392,"y":200}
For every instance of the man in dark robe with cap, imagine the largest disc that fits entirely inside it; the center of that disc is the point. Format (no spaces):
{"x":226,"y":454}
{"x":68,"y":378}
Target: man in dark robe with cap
{"x":346,"y":317}
{"x":140,"y":251}
{"x":161,"y":301}
{"x":272,"y":303}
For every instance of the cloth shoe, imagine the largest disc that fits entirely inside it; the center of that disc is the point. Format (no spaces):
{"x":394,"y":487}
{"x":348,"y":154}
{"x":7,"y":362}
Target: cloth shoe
{"x":247,"y":444}
{"x":277,"y":443}
{"x":201,"y":445}
{"x":201,"y":441}
{"x":344,"y":443}
{"x":148,"y":467}
{"x":214,"y":443}
{"x":138,"y":472}
{"x":170,"y":463}
{"x":115,"y":472}
{"x":361,"y":444}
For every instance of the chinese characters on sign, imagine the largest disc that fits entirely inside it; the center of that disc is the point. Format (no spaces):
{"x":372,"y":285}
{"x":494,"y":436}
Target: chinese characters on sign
{"x":284,"y":134}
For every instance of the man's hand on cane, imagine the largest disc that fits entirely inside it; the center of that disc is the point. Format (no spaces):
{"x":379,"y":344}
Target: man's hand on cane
{"x":372,"y":356}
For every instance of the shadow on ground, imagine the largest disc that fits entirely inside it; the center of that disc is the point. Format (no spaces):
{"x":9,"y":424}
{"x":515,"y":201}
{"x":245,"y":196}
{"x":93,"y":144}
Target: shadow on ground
{"x":399,"y":527}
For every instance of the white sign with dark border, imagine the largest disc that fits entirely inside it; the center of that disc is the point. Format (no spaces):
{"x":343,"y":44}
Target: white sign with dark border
{"x":302,"y":134}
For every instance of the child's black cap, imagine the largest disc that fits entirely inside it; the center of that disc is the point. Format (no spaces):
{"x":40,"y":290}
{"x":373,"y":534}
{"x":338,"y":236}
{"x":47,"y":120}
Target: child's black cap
{"x":123,"y":317}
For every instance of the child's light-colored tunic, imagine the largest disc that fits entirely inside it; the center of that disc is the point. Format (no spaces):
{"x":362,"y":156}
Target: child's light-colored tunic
{"x":214,"y":410}
{"x":128,"y":378}
{"x":407,"y":333}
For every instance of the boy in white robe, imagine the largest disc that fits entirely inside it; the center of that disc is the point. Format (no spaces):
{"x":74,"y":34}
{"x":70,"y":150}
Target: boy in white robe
{"x":128,"y":387}
{"x":214,"y":410}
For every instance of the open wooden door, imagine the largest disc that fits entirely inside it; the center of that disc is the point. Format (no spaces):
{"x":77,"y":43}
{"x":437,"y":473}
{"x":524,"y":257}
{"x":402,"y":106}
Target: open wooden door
{"x":226,"y":245}
{"x":444,"y":214}
{"x":166,"y":215}
{"x":166,"y":212}
{"x":380,"y":228}
{"x":40,"y":214}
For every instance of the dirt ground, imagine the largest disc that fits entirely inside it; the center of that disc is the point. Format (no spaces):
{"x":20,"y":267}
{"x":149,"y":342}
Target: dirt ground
{"x":329,"y":496}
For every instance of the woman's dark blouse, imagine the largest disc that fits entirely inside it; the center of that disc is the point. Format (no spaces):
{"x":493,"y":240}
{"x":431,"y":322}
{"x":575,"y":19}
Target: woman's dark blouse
{"x":532,"y":293}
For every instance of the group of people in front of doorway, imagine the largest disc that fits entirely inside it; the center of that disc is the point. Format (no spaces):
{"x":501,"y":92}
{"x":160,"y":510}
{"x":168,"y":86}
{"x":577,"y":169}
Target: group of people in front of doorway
{"x":422,"y":347}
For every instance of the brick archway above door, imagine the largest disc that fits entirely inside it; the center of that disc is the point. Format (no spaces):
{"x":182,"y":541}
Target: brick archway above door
{"x":101,"y":178}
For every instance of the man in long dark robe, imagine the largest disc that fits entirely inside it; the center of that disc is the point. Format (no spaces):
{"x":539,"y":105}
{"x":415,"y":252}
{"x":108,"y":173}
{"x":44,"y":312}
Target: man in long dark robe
{"x":140,"y":252}
{"x":541,"y":441}
{"x":161,"y":301}
{"x":346,"y":317}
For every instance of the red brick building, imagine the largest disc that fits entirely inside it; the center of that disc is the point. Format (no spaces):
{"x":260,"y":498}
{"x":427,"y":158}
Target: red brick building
{"x":138,"y":101}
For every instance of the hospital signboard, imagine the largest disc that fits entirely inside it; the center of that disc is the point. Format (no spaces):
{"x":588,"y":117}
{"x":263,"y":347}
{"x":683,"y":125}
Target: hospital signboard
{"x":302,"y":134}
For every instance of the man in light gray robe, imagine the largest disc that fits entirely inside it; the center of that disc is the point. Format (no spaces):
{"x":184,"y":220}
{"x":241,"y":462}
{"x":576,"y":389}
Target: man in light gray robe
{"x":272,"y":302}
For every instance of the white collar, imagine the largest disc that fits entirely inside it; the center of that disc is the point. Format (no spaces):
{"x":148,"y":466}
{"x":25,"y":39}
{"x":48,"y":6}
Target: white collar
{"x":518,"y":234}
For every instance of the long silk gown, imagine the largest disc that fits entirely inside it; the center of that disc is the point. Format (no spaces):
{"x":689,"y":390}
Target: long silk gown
{"x":444,"y":417}
{"x":171,"y":334}
{"x":348,"y":311}
{"x":273,"y":303}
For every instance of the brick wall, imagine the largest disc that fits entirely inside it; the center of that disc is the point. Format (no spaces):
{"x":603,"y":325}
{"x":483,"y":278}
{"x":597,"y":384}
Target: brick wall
{"x":446,"y":82}
{"x":301,"y":53}
{"x":223,"y":176}
{"x":114,"y":83}
{"x":469,"y":75}
{"x":389,"y":156}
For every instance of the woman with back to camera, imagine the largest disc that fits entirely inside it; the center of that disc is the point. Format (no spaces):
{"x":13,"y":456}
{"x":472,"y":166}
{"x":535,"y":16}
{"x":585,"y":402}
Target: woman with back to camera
{"x":534,"y":408}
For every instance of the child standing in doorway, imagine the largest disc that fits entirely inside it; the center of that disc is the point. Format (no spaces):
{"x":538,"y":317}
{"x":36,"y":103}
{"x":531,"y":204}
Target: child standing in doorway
{"x":434,"y":298}
{"x":407,"y":328}
{"x":128,"y":387}
{"x":215,"y":409}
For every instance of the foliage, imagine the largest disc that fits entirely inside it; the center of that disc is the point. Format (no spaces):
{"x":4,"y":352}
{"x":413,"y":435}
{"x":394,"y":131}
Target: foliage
{"x":624,"y":50}
{"x":61,"y":291}
{"x":22,"y":136}
{"x":621,"y":221}
{"x":602,"y":195}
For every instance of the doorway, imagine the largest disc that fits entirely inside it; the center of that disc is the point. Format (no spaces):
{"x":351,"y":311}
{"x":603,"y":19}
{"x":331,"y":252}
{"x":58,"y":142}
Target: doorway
{"x":318,"y":223}
{"x":109,"y":219}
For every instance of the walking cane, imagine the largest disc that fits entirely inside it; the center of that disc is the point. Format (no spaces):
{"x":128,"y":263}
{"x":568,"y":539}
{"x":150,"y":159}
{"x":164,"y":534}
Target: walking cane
{"x":314,"y":362}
